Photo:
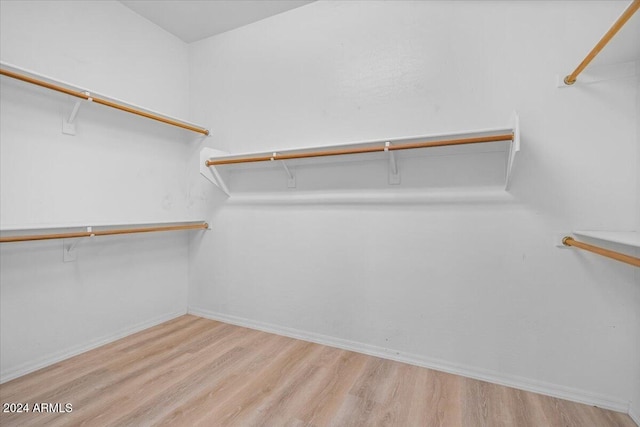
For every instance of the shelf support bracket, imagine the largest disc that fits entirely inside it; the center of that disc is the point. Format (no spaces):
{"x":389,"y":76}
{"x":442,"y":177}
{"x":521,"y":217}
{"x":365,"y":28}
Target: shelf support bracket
{"x":219,"y":181}
{"x":68,"y":124}
{"x":69,"y":252}
{"x":210,"y":172}
{"x":394,"y":172}
{"x":291,"y":179}
{"x":514,"y":148}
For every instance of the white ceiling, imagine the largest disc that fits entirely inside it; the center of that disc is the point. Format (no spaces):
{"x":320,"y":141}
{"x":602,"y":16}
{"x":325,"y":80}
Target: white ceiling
{"x":192,"y":20}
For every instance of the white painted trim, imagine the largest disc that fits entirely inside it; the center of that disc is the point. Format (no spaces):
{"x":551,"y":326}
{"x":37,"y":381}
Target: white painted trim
{"x":32,"y":366}
{"x":634,"y":415}
{"x":527,"y":384}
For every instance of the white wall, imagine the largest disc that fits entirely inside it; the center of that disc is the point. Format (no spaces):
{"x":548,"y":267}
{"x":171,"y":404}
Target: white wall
{"x":635,"y":399}
{"x":118,"y":168}
{"x":461,"y":282}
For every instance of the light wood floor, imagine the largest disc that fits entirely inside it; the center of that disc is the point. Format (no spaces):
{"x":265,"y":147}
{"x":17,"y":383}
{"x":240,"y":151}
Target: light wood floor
{"x":192,"y":371}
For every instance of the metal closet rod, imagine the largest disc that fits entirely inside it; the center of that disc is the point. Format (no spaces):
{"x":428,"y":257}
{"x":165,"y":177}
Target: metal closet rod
{"x":626,"y":15}
{"x":176,"y":227}
{"x":88,"y":97}
{"x":628,"y":259}
{"x":337,"y":152}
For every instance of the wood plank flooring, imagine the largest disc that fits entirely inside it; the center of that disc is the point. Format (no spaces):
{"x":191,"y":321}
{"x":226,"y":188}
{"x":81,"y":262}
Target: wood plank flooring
{"x":193,"y":371}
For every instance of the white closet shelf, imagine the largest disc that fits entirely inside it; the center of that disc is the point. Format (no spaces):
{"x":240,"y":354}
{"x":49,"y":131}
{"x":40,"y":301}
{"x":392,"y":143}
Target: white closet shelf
{"x":80,"y":94}
{"x":54,"y":226}
{"x":628,"y":238}
{"x":105,"y":230}
{"x":505,"y":139}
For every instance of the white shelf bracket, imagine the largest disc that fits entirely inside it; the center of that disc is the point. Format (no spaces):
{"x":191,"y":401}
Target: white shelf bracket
{"x":68,"y":124}
{"x":514,"y":148}
{"x":394,"y":172}
{"x":210,"y":172}
{"x":291,"y":178}
{"x":219,"y":181}
{"x":69,"y":252}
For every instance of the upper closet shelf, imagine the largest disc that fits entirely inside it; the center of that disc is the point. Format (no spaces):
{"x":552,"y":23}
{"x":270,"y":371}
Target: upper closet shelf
{"x":629,"y":238}
{"x":505,"y":139}
{"x":68,"y":125}
{"x":106,"y":230}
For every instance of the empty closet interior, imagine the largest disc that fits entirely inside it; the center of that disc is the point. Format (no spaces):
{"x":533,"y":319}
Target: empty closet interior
{"x":435,"y":192}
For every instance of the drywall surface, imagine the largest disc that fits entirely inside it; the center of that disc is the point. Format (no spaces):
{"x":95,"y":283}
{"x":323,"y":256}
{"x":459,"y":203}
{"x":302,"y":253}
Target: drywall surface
{"x":458,"y":277}
{"x":118,"y":168}
{"x":634,"y":410}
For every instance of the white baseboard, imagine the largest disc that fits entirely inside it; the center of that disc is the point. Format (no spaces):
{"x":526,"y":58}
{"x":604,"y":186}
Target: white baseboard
{"x":34,"y":365}
{"x":635,"y":416}
{"x":527,"y":384}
